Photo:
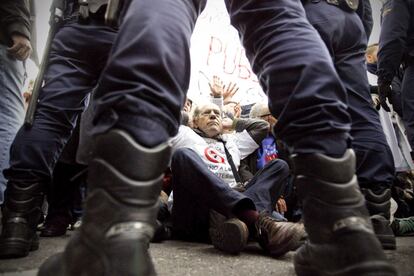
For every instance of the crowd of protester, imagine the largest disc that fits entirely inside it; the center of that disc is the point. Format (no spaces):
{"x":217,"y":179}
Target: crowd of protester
{"x":230,"y":180}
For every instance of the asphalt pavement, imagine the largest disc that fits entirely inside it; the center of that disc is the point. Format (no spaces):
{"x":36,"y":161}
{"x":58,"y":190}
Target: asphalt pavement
{"x":175,"y":258}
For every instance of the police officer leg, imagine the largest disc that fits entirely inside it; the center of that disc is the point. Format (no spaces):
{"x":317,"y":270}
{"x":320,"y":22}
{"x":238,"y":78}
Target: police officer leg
{"x":374,"y":167}
{"x":375,"y":171}
{"x":124,"y":184}
{"x":308,"y":99}
{"x":408,"y":104}
{"x":342,"y":241}
{"x":139,"y":99}
{"x":73,"y":67}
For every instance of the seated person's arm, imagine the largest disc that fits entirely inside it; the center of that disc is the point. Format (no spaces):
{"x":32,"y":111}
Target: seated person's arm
{"x":256,"y":128}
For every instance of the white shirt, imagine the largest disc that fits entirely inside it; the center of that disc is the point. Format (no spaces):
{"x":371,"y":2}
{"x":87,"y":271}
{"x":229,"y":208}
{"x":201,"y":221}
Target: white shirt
{"x":212,"y":152}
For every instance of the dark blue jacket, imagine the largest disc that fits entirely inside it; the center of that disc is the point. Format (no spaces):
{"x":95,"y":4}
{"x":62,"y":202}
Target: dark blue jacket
{"x":396,"y":39}
{"x":14,"y":18}
{"x":364,"y":11}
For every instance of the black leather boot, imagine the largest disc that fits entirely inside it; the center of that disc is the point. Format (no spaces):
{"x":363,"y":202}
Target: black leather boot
{"x":379,"y":208}
{"x":121,"y":209}
{"x":21,"y":213}
{"x":341,"y":238}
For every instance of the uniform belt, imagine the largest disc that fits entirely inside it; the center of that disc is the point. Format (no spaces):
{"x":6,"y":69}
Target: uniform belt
{"x":347,"y":5}
{"x":99,"y":16}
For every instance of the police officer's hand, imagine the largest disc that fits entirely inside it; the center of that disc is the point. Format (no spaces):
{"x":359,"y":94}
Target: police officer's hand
{"x":21,"y":48}
{"x":384,"y":92}
{"x":375,"y":101}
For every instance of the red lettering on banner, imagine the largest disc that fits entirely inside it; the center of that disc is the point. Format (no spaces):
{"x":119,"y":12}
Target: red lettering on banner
{"x":214,"y":48}
{"x":229,"y":66}
{"x":244,"y":71}
{"x":231,"y":60}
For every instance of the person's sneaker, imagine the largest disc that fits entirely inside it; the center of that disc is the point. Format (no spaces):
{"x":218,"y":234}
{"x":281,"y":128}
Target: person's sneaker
{"x":279,"y":237}
{"x":403,"y":226}
{"x":75,"y":225}
{"x":228,"y":235}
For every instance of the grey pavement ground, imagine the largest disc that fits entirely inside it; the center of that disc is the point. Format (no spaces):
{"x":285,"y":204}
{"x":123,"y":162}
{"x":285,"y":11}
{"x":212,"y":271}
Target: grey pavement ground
{"x":174,"y":258}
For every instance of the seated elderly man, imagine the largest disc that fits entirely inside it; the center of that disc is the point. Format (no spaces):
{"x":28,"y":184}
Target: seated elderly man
{"x":204,"y":168}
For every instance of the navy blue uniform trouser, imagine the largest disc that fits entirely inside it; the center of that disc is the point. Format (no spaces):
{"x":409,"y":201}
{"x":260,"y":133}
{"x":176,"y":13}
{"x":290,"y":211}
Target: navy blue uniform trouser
{"x":197,"y":190}
{"x":143,"y":86}
{"x":408,"y":103}
{"x":345,"y":38}
{"x":77,"y":57}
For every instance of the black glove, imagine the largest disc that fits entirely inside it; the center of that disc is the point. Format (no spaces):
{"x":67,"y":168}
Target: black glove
{"x":373,"y":89}
{"x":384,"y":92}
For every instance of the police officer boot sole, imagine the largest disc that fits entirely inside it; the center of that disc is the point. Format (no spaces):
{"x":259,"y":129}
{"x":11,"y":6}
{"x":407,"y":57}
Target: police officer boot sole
{"x":361,"y":270}
{"x":121,"y":255}
{"x":346,"y":255}
{"x":384,"y":232}
{"x":18,"y":248}
{"x":231,"y":236}
{"x":387,"y":242}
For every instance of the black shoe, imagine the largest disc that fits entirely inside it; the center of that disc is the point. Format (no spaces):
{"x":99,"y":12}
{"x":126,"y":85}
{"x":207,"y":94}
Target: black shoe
{"x":162,"y":233}
{"x":379,"y":206}
{"x":21,"y":213}
{"x":383,"y":231}
{"x":55,"y":226}
{"x":17,"y":239}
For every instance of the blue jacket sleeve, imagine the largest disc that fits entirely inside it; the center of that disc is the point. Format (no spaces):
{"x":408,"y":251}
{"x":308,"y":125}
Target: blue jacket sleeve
{"x":364,"y":11}
{"x":14,"y":18}
{"x":393,"y":39}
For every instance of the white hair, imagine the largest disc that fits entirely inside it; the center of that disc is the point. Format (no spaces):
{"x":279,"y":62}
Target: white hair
{"x":258,"y":110}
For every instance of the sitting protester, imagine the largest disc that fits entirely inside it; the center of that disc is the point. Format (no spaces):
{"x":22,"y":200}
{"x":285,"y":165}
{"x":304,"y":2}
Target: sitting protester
{"x":204,"y":172}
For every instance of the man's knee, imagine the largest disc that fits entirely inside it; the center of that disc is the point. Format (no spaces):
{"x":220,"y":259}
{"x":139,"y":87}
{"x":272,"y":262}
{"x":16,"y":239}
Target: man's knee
{"x":182,"y":155}
{"x":280,"y":167}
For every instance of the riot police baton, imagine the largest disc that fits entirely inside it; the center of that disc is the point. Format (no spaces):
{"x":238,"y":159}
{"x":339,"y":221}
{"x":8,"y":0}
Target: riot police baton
{"x":55,"y":18}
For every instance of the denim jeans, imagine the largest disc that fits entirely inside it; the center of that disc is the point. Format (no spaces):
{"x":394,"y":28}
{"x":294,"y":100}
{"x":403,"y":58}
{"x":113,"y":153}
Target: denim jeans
{"x":12,"y":76}
{"x":197,"y":190}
